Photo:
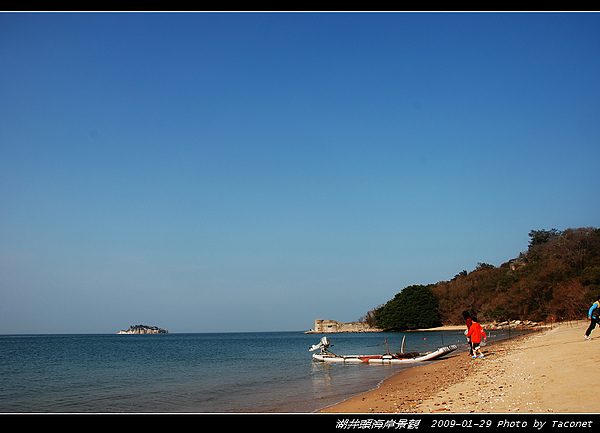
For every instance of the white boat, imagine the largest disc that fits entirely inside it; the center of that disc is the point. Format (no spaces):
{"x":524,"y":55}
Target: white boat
{"x":398,"y":358}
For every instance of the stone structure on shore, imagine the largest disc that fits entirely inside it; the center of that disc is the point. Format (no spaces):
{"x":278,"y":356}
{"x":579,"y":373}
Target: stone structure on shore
{"x":332,"y":326}
{"x":144,"y":329}
{"x":522,"y":324}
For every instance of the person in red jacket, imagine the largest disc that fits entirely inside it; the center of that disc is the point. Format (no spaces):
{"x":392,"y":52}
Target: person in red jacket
{"x":475,"y":333}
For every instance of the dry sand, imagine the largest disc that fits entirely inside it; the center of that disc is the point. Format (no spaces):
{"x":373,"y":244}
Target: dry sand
{"x":549,"y":371}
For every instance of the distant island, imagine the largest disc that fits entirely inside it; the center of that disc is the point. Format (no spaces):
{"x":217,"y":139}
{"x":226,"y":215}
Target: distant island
{"x":144,"y":329}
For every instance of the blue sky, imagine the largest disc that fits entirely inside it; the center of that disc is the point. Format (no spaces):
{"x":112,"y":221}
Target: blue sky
{"x":210,"y":172}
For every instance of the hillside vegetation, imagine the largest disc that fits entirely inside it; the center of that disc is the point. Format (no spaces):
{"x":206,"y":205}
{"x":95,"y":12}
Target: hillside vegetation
{"x":557,"y":278}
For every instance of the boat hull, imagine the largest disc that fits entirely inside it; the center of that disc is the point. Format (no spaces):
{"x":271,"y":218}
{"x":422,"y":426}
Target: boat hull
{"x":382,"y":359}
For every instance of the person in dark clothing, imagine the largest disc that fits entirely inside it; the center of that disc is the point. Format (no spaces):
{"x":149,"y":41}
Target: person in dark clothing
{"x":593,"y":317}
{"x":469,"y":322}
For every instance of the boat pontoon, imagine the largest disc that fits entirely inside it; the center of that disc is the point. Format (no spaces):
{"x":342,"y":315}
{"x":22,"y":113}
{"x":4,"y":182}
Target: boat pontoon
{"x":398,"y":358}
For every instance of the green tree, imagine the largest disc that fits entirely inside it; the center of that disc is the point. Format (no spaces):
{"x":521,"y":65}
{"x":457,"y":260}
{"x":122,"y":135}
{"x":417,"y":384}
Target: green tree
{"x":542,"y":236}
{"x":414,"y":307}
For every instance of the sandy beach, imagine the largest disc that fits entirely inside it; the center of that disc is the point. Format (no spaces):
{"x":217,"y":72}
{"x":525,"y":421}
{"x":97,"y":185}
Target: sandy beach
{"x":550,"y":371}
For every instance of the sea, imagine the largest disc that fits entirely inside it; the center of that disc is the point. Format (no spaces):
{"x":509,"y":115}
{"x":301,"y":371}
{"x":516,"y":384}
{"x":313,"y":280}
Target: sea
{"x":258,"y":372}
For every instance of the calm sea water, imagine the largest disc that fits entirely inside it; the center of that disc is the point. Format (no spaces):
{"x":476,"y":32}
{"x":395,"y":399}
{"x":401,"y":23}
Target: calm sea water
{"x":179,"y":373}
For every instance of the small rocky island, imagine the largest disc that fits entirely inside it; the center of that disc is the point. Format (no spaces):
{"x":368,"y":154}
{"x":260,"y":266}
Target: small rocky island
{"x":144,"y":329}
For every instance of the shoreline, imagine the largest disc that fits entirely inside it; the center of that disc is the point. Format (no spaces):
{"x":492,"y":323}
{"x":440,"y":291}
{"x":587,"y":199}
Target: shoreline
{"x":531,"y":373}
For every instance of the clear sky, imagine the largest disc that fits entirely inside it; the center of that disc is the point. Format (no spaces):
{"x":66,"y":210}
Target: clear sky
{"x":208,"y":172}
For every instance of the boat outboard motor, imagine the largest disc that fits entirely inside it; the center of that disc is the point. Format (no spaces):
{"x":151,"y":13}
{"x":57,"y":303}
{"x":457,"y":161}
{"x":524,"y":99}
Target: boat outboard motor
{"x":322,"y":344}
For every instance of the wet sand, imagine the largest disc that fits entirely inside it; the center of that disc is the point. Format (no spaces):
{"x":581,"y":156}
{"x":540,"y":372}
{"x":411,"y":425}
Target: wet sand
{"x":544,"y":372}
